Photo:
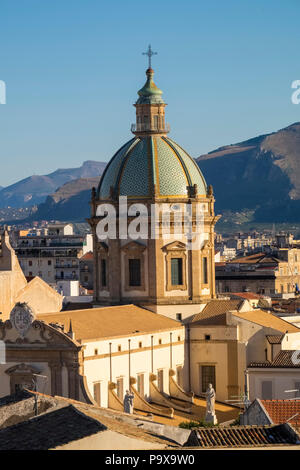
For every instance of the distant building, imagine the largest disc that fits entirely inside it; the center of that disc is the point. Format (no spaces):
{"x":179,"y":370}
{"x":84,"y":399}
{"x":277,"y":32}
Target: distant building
{"x":53,"y":256}
{"x":273,"y":274}
{"x":86,"y":266}
{"x":278,"y":378}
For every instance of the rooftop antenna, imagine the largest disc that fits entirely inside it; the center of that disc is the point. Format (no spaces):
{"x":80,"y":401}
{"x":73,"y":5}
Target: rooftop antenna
{"x":243,"y":398}
{"x":291,"y":391}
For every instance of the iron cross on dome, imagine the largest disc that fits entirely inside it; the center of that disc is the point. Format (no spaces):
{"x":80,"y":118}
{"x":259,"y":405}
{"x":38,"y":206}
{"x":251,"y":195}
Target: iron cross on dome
{"x":149,"y":53}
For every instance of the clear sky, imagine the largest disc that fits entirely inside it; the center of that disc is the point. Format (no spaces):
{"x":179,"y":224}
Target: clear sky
{"x":72,"y":69}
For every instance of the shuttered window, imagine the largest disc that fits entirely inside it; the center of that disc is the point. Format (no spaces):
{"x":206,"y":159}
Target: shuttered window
{"x":176,"y":271}
{"x":204,"y":270}
{"x":97,"y":393}
{"x":266,"y":390}
{"x":103,"y":272}
{"x":208,"y":376}
{"x":134,"y":272}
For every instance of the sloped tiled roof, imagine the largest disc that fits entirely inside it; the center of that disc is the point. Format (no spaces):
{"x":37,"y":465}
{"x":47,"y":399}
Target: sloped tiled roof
{"x":49,"y":430}
{"x":274,"y":339}
{"x":117,"y":422}
{"x":256,"y":258}
{"x":109,"y":322}
{"x":247,"y":295}
{"x":241,"y":436}
{"x":283,"y":359}
{"x":14,"y":398}
{"x":268,"y":320}
{"x":282,"y":410}
{"x":214,"y":313}
{"x":87,"y":256}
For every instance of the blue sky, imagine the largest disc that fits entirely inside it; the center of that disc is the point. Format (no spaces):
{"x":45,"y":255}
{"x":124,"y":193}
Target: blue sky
{"x":72,"y":69}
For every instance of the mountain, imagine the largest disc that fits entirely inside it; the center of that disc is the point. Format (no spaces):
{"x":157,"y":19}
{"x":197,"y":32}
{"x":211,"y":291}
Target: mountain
{"x":259,"y":177}
{"x":69,"y":203}
{"x":35,"y":189}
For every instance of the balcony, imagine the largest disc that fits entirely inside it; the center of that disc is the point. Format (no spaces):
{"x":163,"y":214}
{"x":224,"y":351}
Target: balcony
{"x":68,"y":266}
{"x":149,"y":128}
{"x":67,"y":277}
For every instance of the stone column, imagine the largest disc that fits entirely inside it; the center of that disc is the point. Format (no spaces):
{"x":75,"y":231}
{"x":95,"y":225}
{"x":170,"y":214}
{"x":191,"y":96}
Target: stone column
{"x":73,"y":381}
{"x":56,"y":378}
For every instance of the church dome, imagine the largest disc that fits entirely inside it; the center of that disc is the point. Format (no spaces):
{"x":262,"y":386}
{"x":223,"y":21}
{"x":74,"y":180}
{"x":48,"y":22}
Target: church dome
{"x":151,"y":165}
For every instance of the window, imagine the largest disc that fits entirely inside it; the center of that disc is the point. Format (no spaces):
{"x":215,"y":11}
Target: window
{"x":140,"y":344}
{"x":49,"y":262}
{"x":179,"y":375}
{"x":208,"y":376}
{"x":176,"y":271}
{"x":297,"y":387}
{"x":134,"y":272}
{"x":178,"y":316}
{"x":141,"y":384}
{"x":160,"y":380}
{"x":159,"y":341}
{"x":204,"y":270}
{"x":86,"y":278}
{"x":30,"y":263}
{"x":178,"y":338}
{"x":30,"y":273}
{"x":207,"y":337}
{"x":266,"y":390}
{"x":120,"y":388}
{"x":97,"y":392}
{"x":96,"y":352}
{"x":119,"y":348}
{"x":103,"y":272}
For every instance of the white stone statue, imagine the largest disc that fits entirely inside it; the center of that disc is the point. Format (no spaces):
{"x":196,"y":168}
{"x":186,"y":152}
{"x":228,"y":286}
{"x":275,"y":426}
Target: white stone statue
{"x":210,"y":405}
{"x":128,"y":402}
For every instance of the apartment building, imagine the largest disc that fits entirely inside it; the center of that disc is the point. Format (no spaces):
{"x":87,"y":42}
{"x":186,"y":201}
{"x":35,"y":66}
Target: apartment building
{"x":53,"y":255}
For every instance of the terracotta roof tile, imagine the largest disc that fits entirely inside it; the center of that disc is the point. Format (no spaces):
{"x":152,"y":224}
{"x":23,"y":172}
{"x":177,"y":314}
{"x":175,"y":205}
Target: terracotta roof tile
{"x":283,"y":359}
{"x":87,"y":256}
{"x":280,"y":411}
{"x":241,"y":436}
{"x":247,"y":295}
{"x":275,"y":339}
{"x":214,"y":313}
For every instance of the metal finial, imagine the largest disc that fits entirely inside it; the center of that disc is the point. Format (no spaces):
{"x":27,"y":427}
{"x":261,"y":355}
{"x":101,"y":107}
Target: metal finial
{"x":149,"y":53}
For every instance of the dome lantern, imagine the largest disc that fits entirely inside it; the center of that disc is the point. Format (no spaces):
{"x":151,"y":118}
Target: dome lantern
{"x":150,"y":107}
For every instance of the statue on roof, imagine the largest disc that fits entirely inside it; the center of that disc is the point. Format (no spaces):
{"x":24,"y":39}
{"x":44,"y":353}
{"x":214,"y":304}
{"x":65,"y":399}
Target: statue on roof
{"x":128,"y":402}
{"x":210,"y":394}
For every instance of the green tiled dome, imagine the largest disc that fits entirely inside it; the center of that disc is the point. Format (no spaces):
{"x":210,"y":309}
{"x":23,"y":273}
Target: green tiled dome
{"x":147,"y":163}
